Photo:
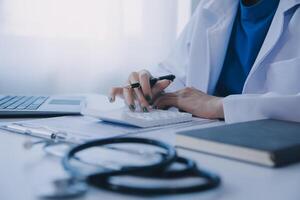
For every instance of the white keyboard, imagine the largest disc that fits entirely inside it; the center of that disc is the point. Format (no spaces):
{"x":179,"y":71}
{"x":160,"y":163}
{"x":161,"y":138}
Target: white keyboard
{"x":141,"y":119}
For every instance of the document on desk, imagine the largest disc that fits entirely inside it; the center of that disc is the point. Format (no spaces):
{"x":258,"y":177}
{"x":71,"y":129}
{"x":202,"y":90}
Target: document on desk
{"x":82,"y":128}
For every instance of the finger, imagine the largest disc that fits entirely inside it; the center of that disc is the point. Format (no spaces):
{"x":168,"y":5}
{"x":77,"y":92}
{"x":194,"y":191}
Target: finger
{"x":129,"y":99}
{"x":134,"y":78}
{"x":115,"y":91}
{"x":165,"y":101}
{"x":144,"y":78}
{"x":160,"y":86}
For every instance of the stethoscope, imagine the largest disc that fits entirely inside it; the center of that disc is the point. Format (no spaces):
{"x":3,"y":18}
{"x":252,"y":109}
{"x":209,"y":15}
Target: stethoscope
{"x":160,"y":169}
{"x":78,"y":183}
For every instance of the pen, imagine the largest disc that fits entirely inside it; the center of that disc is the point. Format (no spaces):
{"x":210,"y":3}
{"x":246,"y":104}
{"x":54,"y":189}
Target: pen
{"x":153,"y":81}
{"x":40,"y":132}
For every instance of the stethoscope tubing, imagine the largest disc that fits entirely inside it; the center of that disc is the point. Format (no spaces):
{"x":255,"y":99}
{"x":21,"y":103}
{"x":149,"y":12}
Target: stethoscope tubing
{"x":191,"y":170}
{"x":159,"y":170}
{"x":165,"y":161}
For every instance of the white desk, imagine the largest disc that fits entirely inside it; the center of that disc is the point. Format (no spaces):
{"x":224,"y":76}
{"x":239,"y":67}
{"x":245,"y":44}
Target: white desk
{"x":24,"y":172}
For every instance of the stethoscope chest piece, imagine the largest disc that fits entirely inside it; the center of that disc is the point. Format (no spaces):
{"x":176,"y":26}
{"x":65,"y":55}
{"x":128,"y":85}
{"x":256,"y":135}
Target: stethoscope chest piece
{"x":65,"y":189}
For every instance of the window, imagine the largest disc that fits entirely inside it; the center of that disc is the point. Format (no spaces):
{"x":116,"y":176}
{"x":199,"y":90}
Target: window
{"x":54,"y":38}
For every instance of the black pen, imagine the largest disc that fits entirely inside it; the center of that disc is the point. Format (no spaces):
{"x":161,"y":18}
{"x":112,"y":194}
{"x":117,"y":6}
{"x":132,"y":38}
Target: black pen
{"x":153,"y":81}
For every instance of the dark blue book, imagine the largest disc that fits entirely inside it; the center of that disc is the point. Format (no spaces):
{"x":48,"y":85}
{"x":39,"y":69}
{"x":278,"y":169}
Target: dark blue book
{"x":271,"y":143}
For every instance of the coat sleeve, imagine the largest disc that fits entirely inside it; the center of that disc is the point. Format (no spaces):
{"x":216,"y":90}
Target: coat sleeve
{"x":248,"y":107}
{"x":178,"y":60}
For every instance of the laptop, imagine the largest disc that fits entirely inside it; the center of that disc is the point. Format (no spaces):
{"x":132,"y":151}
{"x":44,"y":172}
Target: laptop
{"x":23,"y":106}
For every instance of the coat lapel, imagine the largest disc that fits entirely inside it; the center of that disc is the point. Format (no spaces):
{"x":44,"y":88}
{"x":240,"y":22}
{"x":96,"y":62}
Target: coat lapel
{"x":218,"y":38}
{"x":273,"y":36}
{"x":210,"y":43}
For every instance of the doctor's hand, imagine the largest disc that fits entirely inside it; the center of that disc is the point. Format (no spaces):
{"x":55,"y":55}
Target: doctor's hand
{"x":192,"y":101}
{"x":144,"y":96}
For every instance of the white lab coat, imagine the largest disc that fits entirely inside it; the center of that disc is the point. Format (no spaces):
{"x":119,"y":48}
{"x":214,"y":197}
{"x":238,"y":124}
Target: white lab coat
{"x":272,"y":89}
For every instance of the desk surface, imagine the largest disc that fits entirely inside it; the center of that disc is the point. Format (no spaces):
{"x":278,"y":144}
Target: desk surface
{"x":24,"y":172}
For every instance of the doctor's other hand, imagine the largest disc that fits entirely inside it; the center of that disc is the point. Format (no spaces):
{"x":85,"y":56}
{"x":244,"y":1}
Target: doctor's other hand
{"x":192,"y":101}
{"x":144,"y":95}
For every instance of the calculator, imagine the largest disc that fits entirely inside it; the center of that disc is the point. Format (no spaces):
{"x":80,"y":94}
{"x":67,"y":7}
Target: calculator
{"x":142,"y":119}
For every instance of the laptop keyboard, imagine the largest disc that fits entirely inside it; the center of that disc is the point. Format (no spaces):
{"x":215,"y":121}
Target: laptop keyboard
{"x":22,"y":102}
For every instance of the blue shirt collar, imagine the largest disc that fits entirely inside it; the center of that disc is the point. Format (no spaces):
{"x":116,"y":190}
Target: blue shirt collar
{"x":261,"y":9}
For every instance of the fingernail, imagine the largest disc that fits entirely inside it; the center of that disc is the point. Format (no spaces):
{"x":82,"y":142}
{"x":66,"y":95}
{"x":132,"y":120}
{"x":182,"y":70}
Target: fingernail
{"x":148,"y":98}
{"x":110,"y":99}
{"x":145,"y":109}
{"x":132,"y":107}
